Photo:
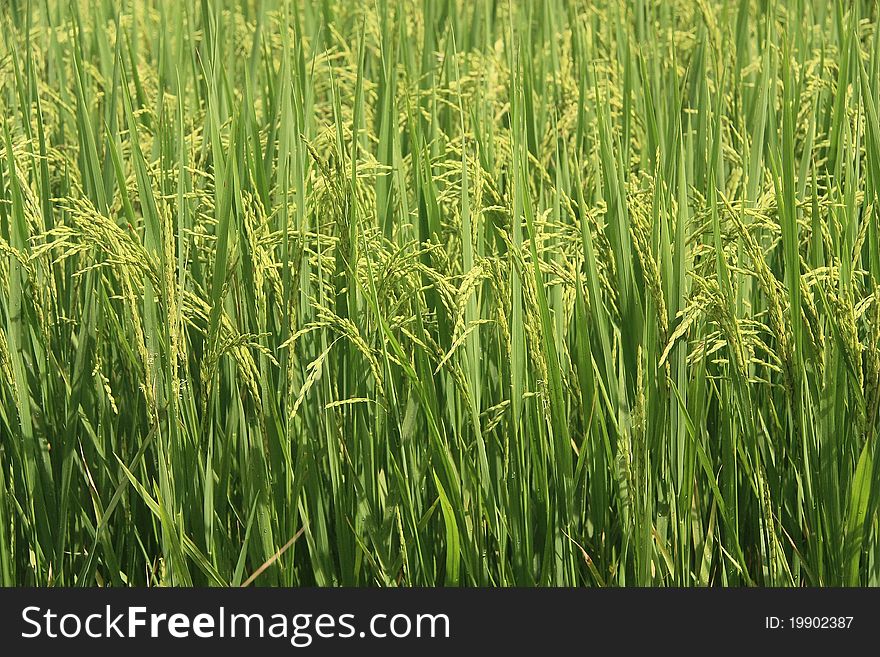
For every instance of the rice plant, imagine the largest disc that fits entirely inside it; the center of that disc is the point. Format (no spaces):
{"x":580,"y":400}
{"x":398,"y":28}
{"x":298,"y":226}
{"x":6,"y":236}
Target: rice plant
{"x":439,"y":293}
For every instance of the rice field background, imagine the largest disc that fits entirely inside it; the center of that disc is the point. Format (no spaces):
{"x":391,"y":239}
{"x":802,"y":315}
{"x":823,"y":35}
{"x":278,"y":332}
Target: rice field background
{"x":452,"y":293}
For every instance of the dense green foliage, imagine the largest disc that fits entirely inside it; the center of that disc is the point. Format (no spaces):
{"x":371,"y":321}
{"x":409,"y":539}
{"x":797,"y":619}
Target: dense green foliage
{"x":471,"y":293}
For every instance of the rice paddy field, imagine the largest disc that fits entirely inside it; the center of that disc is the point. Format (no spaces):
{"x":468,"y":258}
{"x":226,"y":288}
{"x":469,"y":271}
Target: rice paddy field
{"x":441,"y":293}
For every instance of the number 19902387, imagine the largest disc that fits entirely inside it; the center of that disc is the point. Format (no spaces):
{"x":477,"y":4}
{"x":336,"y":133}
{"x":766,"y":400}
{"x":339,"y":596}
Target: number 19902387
{"x":820,"y":622}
